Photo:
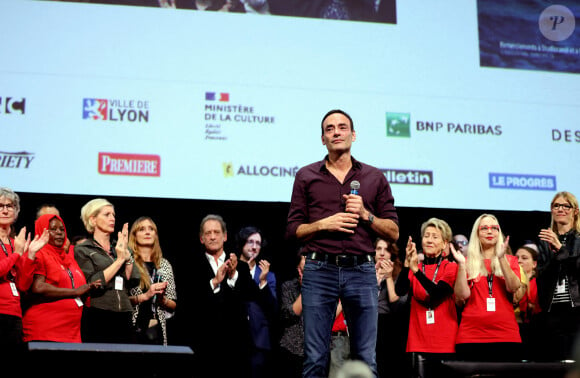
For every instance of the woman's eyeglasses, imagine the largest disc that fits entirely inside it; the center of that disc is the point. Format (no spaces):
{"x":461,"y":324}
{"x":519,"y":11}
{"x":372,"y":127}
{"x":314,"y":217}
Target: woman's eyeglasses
{"x":489,"y":228}
{"x":561,"y":206}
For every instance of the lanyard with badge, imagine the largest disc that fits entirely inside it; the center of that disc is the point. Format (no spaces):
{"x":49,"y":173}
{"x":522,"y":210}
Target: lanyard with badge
{"x":10,"y":276}
{"x":78,"y":301}
{"x":118,"y":277}
{"x":491,"y":299}
{"x":430,"y":313}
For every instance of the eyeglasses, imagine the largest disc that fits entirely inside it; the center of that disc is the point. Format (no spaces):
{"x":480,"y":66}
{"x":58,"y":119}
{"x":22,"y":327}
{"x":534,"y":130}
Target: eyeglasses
{"x":254,"y":242}
{"x":461,"y":242}
{"x":56,"y":230}
{"x":561,"y":206}
{"x":7,"y":206}
{"x":494,"y":228}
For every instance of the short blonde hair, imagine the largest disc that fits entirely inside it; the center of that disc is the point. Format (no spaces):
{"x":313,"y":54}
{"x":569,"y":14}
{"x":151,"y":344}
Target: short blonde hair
{"x":90,"y":209}
{"x":439,"y":224}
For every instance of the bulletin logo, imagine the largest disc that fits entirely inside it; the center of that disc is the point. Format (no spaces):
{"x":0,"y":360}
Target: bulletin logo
{"x":115,"y":110}
{"x":408,"y":176}
{"x":399,"y":125}
{"x":12,"y":105}
{"x":111,"y":163}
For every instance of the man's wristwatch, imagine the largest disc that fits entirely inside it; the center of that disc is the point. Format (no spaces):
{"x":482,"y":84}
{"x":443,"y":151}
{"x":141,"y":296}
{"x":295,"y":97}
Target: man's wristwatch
{"x":371,"y":218}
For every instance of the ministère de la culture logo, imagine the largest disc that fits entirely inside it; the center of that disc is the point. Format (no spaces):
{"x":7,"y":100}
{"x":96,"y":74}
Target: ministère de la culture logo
{"x":220,"y":112}
{"x":12,"y":105}
{"x":116,"y":110}
{"x":399,"y":125}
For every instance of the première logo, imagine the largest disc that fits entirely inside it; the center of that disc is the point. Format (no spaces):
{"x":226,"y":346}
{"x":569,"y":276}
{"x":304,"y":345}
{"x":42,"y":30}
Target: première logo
{"x":111,"y":163}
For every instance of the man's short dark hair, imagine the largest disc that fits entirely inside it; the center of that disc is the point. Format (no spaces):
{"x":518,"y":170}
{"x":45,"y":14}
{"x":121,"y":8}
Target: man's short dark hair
{"x":244,"y":234}
{"x":333,"y":111}
{"x":214,"y":217}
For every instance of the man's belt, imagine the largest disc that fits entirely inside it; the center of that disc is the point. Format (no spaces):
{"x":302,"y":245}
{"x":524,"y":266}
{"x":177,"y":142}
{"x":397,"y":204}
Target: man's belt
{"x":341,"y":260}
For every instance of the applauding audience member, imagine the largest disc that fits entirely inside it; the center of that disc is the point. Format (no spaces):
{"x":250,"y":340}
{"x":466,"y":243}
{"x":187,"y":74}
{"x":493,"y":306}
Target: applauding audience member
{"x":393,"y":312}
{"x":558,"y":279}
{"x":261,"y":315}
{"x":527,"y":305}
{"x":16,"y":271}
{"x":291,"y":356}
{"x":107,"y":318}
{"x":56,"y":298}
{"x":155,"y":297}
{"x":433,"y":321}
{"x":486,"y":281}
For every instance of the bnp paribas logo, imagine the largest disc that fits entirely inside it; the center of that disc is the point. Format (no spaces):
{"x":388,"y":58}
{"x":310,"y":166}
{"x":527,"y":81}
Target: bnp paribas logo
{"x":399,"y":125}
{"x":228,"y":168}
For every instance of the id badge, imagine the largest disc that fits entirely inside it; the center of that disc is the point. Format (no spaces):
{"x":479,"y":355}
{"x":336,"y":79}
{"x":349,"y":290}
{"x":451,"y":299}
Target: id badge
{"x":79,"y":302}
{"x":430,"y":316}
{"x":491,"y":304}
{"x":14,"y":289}
{"x":118,"y":283}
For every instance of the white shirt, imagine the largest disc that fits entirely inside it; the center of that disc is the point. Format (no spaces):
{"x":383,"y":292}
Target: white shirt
{"x":215,"y":265}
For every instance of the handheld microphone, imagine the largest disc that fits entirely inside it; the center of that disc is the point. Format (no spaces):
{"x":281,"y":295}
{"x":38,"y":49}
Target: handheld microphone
{"x":354,"y":187}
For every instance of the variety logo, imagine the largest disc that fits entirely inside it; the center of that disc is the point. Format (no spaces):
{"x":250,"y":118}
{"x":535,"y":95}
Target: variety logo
{"x":133,"y":111}
{"x":218,"y":112}
{"x":9,"y":105}
{"x":258,"y":170}
{"x":399,"y":125}
{"x":408,"y":176}
{"x":17,"y":160}
{"x":521,"y":181}
{"x":129,"y":164}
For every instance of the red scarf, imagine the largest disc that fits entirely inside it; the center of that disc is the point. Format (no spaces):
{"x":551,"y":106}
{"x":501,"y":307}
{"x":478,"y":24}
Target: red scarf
{"x":40,"y":225}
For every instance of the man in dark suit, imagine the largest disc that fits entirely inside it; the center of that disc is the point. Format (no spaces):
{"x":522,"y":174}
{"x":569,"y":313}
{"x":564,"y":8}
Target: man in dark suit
{"x":261,"y":315}
{"x":222,"y":285}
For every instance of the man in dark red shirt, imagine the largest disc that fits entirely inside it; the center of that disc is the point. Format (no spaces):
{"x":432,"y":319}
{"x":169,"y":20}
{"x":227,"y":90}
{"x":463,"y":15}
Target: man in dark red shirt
{"x":338,"y":223}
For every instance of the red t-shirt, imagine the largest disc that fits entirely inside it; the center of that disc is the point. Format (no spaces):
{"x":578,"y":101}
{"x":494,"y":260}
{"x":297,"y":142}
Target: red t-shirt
{"x":481,"y":326}
{"x":439,"y":335}
{"x":339,"y":323}
{"x":530,"y":299}
{"x":59,"y":320}
{"x":20,"y":269}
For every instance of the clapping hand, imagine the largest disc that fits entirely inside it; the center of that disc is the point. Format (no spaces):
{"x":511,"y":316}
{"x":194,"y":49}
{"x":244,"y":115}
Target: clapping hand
{"x":548,"y":235}
{"x":37,"y":243}
{"x":122,"y":248}
{"x":457,"y":255}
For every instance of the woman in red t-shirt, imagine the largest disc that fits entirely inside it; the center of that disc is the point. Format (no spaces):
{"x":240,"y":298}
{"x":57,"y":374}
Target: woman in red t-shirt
{"x":433,"y":316}
{"x":56,"y":295}
{"x":16,"y":265}
{"x":486,"y":281}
